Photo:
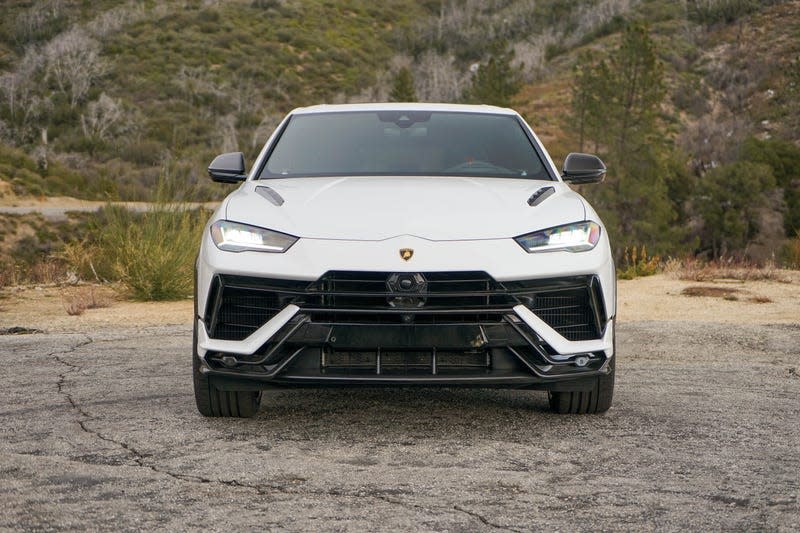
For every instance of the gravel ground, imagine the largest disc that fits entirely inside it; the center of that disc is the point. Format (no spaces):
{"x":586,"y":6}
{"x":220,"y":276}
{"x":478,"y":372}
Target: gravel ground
{"x":101,"y":432}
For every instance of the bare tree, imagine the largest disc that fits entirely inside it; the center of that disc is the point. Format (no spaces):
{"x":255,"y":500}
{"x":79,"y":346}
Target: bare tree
{"x":106,"y":118}
{"x":530,"y":56}
{"x":195,"y":84}
{"x":74,"y":63}
{"x":226,"y":133}
{"x":591,"y":17}
{"x":243,"y":93}
{"x":31,"y":22}
{"x":113,"y":20}
{"x":18,"y":86}
{"x":21,"y":96}
{"x":437,"y":79}
{"x":714,"y":140}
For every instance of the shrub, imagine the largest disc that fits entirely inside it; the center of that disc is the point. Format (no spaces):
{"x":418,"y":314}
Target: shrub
{"x":728,"y":207}
{"x":152,"y":253}
{"x":711,"y":12}
{"x":146,"y":152}
{"x":791,"y":253}
{"x":636,"y":263}
{"x":78,"y":300}
{"x":784,"y":159}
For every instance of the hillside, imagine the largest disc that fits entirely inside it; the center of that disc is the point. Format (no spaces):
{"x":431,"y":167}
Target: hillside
{"x":746,"y":68}
{"x":125,"y":92}
{"x":100,"y":100}
{"x":119,"y":92}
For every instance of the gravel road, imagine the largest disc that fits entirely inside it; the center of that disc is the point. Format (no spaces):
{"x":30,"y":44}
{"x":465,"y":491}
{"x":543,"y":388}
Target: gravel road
{"x":101,"y":432}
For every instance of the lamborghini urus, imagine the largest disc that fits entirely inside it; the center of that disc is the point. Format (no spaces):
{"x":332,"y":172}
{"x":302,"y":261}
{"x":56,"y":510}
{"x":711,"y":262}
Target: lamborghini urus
{"x":404,"y":245}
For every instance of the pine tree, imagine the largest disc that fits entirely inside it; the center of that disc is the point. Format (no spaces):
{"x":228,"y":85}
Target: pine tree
{"x":497,"y":81}
{"x":730,"y":210}
{"x":616,"y":100}
{"x":403,"y":87}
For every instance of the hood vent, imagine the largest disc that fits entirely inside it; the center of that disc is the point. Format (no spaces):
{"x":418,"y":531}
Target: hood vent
{"x":541,"y":195}
{"x":270,"y":194}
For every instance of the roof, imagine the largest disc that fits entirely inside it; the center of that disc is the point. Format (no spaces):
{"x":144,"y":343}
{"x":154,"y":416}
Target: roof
{"x":461,"y":108}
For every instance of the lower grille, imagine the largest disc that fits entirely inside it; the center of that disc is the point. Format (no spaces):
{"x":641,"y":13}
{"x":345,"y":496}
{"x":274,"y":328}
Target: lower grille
{"x":569,"y":312}
{"x":239,"y":305}
{"x":403,"y":362}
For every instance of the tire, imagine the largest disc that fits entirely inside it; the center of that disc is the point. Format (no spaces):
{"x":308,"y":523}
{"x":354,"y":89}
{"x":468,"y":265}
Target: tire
{"x":218,"y":403}
{"x":596,"y":400}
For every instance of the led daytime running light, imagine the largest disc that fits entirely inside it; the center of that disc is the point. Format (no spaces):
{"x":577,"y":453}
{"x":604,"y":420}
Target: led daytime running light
{"x":236,"y":237}
{"x":578,"y":237}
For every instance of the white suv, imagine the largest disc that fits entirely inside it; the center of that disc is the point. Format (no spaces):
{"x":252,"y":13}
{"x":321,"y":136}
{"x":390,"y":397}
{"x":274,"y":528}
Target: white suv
{"x":404,"y":244}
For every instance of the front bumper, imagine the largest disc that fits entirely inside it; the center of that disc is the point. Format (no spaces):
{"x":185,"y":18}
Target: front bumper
{"x":346,"y":329}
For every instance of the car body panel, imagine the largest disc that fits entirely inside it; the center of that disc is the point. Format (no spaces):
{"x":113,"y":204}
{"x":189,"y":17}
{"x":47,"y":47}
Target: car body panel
{"x":433,"y":208}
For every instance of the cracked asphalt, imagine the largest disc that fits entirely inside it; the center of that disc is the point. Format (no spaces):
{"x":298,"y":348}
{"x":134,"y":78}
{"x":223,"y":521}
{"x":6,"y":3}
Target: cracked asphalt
{"x":101,"y":432}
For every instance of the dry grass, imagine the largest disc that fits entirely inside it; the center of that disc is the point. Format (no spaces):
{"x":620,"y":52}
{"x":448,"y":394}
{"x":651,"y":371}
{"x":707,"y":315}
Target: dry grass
{"x":49,"y":271}
{"x":692,"y":269}
{"x":77,"y":300}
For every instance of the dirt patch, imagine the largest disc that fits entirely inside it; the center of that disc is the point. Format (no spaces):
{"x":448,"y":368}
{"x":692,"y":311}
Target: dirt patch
{"x":45,"y":308}
{"x":662,"y":297}
{"x":17,"y":330}
{"x":713,"y":292}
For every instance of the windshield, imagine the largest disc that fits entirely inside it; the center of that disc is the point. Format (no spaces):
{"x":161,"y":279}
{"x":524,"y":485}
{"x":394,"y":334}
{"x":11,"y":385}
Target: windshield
{"x":404,"y":143}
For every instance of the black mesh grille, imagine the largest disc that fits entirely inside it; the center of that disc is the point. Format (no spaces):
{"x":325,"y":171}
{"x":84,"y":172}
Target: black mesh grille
{"x":568,"y":311}
{"x":571,"y":306}
{"x":240,"y":305}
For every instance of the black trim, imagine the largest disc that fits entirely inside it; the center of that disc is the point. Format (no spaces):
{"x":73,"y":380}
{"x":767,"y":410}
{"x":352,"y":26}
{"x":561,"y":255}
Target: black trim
{"x":503,"y":367}
{"x":583,"y":168}
{"x":541,"y":195}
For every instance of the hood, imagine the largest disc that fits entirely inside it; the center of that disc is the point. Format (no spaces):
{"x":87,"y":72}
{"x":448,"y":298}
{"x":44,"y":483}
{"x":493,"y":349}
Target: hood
{"x":378,"y":208}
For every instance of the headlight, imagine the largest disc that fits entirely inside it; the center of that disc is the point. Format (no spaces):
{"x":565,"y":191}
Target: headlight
{"x":578,"y":237}
{"x":236,"y":237}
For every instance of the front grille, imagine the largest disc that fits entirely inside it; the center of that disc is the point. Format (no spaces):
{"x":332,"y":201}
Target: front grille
{"x":444,"y":290}
{"x":239,"y":305}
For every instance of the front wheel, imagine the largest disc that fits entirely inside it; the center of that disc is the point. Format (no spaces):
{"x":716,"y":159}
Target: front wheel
{"x":214,"y":402}
{"x":595,"y":400}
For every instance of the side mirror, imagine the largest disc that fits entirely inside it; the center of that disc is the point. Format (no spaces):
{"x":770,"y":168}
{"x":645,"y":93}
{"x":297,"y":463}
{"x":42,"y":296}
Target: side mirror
{"x":583,"y":168}
{"x":228,"y":168}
